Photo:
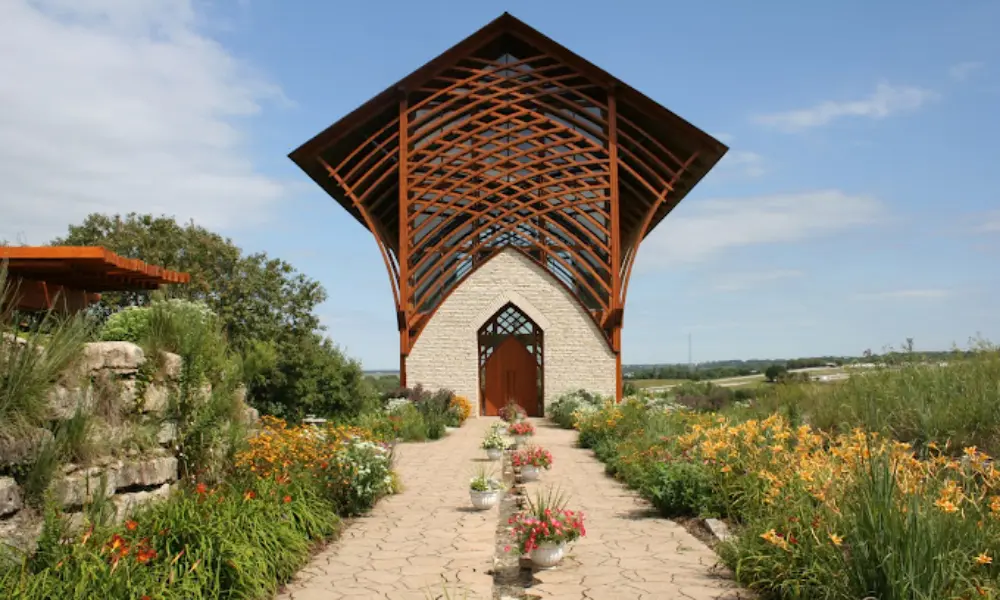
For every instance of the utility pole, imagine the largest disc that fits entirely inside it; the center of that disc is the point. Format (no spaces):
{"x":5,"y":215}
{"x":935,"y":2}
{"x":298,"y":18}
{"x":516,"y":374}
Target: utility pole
{"x":690,"y":363}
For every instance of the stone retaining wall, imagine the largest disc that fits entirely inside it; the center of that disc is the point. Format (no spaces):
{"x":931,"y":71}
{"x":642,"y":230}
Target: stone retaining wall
{"x":124,"y":398}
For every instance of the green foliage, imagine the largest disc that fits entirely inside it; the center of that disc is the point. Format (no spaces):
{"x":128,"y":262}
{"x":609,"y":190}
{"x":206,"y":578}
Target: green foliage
{"x":774,"y":372}
{"x":679,"y":489}
{"x":127,"y":325}
{"x":367,"y":468}
{"x":561,"y":411}
{"x":265,"y":307}
{"x":412,"y":426}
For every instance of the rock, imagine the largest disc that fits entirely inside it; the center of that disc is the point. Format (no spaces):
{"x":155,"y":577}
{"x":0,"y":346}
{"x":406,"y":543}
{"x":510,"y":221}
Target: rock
{"x":126,"y":503}
{"x":64,"y":401}
{"x":21,"y":531}
{"x":82,"y":487}
{"x":127,"y":392}
{"x":167,"y":434}
{"x":148,"y":472}
{"x":120,"y":357}
{"x":250,"y":415}
{"x":718,"y":528}
{"x":156,"y":399}
{"x":24,"y":448}
{"x":10,"y":496}
{"x":172,"y":364}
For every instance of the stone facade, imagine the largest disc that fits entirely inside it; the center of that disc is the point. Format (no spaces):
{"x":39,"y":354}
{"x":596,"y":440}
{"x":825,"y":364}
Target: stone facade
{"x":576,"y":353}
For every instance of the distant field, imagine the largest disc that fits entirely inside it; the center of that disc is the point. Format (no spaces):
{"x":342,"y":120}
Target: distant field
{"x":648,"y":383}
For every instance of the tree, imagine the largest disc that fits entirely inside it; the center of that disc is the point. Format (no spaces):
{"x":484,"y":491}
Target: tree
{"x":775,"y":372}
{"x":266,"y":307}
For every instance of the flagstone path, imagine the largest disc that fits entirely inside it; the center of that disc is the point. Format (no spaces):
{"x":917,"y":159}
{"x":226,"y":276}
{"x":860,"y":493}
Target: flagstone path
{"x":425,"y":540}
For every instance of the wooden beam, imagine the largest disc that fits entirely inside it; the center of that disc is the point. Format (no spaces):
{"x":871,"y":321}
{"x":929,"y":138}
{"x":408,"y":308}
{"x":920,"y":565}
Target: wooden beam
{"x":403,"y":255}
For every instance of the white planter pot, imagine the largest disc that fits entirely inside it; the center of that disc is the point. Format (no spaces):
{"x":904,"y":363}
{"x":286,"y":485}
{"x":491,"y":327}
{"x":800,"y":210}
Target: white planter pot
{"x":530,"y":473}
{"x":548,"y":554}
{"x":521,"y":440}
{"x":484,"y":500}
{"x":494,"y":453}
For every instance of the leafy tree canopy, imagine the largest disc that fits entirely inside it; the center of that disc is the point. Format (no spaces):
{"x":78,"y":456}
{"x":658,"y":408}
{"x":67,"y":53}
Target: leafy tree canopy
{"x":267,"y":309}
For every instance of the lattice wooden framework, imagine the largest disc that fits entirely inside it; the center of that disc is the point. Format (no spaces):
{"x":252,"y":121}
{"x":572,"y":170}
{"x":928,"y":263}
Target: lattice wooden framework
{"x":506,"y":322}
{"x":509,"y":140}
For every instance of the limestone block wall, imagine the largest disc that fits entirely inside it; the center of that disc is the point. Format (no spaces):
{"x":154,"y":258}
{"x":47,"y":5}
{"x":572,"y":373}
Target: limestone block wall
{"x":124,"y":402}
{"x":575,"y":352}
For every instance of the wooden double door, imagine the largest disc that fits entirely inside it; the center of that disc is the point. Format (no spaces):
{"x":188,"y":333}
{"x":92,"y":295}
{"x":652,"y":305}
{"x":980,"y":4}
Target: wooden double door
{"x":510,"y":363}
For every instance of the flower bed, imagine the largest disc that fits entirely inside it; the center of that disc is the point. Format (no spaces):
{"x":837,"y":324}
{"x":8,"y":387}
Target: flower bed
{"x":816,"y":515}
{"x":240,"y":539}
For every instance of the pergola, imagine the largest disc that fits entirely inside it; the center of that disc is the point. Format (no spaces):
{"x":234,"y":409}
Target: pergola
{"x":509,"y":140}
{"x":70,"y":278}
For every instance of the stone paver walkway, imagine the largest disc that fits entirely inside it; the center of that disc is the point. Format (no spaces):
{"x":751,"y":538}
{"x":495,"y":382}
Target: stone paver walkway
{"x":416,"y":544}
{"x":425,"y":540}
{"x":628,"y":553}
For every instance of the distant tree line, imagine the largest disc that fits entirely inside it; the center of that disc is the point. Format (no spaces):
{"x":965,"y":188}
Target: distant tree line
{"x":739,"y":368}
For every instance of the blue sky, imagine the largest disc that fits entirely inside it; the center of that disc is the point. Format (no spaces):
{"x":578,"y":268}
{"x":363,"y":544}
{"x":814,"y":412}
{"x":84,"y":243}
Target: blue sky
{"x":858,"y":205}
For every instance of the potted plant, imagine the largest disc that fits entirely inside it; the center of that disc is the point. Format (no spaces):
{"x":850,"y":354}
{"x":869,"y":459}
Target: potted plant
{"x":544,"y":528}
{"x":494,"y":444}
{"x":531,"y":461}
{"x":512,"y":413}
{"x":484,"y":490}
{"x":521,"y":431}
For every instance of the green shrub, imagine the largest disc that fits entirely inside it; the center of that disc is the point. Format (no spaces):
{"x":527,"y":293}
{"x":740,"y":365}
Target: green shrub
{"x":367,"y":468}
{"x":682,"y":489}
{"x":412,"y":427}
{"x":562,"y":409}
{"x":127,"y":325}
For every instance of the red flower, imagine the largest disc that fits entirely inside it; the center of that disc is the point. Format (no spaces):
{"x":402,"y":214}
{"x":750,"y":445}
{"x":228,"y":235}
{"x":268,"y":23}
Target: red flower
{"x":144,"y":555}
{"x":287,"y":499}
{"x":201,"y":489}
{"x":131,"y":525}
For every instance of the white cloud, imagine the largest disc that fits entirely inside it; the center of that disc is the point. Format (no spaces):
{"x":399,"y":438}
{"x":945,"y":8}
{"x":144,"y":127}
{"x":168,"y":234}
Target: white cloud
{"x":122,"y":105}
{"x":744,"y":162}
{"x":990,"y":224}
{"x":735,"y":282}
{"x":725,"y":138}
{"x":706,"y":228}
{"x":916,"y":294}
{"x":963,"y":70}
{"x":884,"y":101}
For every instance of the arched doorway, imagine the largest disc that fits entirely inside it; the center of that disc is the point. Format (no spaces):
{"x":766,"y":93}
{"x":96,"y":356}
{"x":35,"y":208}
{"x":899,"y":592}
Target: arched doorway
{"x":511,"y":366}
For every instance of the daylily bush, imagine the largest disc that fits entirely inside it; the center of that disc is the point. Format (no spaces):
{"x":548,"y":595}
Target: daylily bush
{"x":240,"y":539}
{"x":817,"y":515}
